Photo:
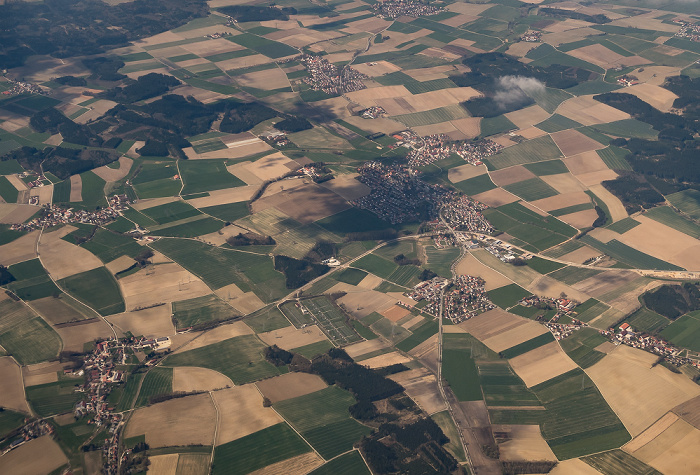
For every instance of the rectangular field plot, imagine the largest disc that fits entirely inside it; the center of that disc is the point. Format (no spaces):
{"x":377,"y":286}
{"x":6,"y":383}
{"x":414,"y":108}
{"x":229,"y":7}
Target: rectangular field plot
{"x":647,"y":320}
{"x":419,"y":335}
{"x":440,"y":260}
{"x":580,"y":347}
{"x":685,"y":332}
{"x":614,"y":158}
{"x":590,"y":309}
{"x":459,"y":368}
{"x":667,"y":216}
{"x":331,"y":319}
{"x":376,"y":265}
{"x":209,"y":308}
{"x":220,"y":267}
{"x":535,"y":150}
{"x":53,"y":398}
{"x":28,"y":338}
{"x":526,"y":346}
{"x":96,"y":288}
{"x":158,"y":381}
{"x":107,"y":245}
{"x":579,"y":421}
{"x":206,"y":175}
{"x":171,"y":212}
{"x":258,"y":450}
{"x":508,"y":295}
{"x":571,"y":275}
{"x":617,"y":461}
{"x":323,"y":419}
{"x":628,"y":255}
{"x":502,"y":387}
{"x":347,"y":464}
{"x":433,"y":116}
{"x":269,"y":48}
{"x":32,"y":281}
{"x":688,"y":201}
{"x":350,"y":276}
{"x":406,"y":276}
{"x":240,"y":358}
{"x":532,"y":189}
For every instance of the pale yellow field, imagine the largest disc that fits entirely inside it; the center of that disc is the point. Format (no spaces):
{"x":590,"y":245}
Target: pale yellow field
{"x":119,"y":264}
{"x":44,"y":194}
{"x":347,"y":187}
{"x":580,"y":219}
{"x":573,"y":467}
{"x":383,"y":124}
{"x":572,"y":142}
{"x":463,"y":172}
{"x":378,"y":68}
{"x":152,"y":202}
{"x":469,"y":126}
{"x":395,"y":313}
{"x":221,"y":197}
{"x":272,"y":166}
{"x":690,"y":412}
{"x":542,"y":364}
{"x":421,"y":385}
{"x":165,"y":282}
{"x":290,"y":385}
{"x":521,"y":275}
{"x":220,"y":333}
{"x":370,"y":282}
{"x":655,"y":96}
{"x":674,"y":450}
{"x":151,"y":322}
{"x":363,"y":347}
{"x":493,"y":323}
{"x":520,"y":49}
{"x":16,"y":213}
{"x":617,"y":210}
{"x":524,"y":443}
{"x":76,"y":188}
{"x":413,"y":322}
{"x":528,"y":116}
{"x":596,"y":178}
{"x":362,"y":303}
{"x":241,"y":413}
{"x":588,"y":111}
{"x":605,"y":58}
{"x":267,"y":79}
{"x":638,"y":393}
{"x":190,"y":420}
{"x":580,"y":255}
{"x":114,"y":174}
{"x":243,"y":302}
{"x":41,"y":373}
{"x":189,"y":378}
{"x":585,"y":162}
{"x":289,"y":337}
{"x":17,"y":182}
{"x":496,"y":197}
{"x":61,"y":258}
{"x":563,"y":200}
{"x":36,"y":457}
{"x":366,"y":97}
{"x":514,"y":336}
{"x":647,"y":22}
{"x":74,"y":337}
{"x":531,"y":133}
{"x":663,"y":242}
{"x":163,"y":464}
{"x":549,"y":287}
{"x":12,"y":394}
{"x":218,"y":238}
{"x":446,"y":128}
{"x":653,"y":431}
{"x":510,"y":175}
{"x":386,"y":359}
{"x":299,"y":465}
{"x":568,"y":24}
{"x":21,"y":249}
{"x":468,"y":8}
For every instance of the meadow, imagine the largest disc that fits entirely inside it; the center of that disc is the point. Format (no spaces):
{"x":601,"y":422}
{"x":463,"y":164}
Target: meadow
{"x":688,"y":201}
{"x":667,"y":216}
{"x":32,"y":282}
{"x":571,"y":275}
{"x":209,"y":308}
{"x":580,"y":346}
{"x":647,"y":320}
{"x":96,"y":288}
{"x":685,"y":331}
{"x":507,"y":296}
{"x":53,"y":398}
{"x":526,"y":346}
{"x":206,"y":175}
{"x":419,"y":335}
{"x":350,"y":276}
{"x":459,"y":368}
{"x":158,"y":381}
{"x":240,"y":358}
{"x":269,"y":48}
{"x":108,"y":246}
{"x":628,"y":255}
{"x":440,"y":260}
{"x":170,"y":212}
{"x":25,"y":336}
{"x":9,"y":421}
{"x":376,"y":265}
{"x":532,"y":189}
{"x":128,"y":393}
{"x":502,"y":387}
{"x":535,"y":150}
{"x":347,"y":464}
{"x":258,"y":450}
{"x":618,"y":461}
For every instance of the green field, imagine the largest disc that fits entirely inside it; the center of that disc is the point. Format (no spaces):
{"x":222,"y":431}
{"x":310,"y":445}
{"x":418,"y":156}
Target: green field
{"x":350,"y":276}
{"x":496,"y":125}
{"x":189,"y":227}
{"x":323,"y":419}
{"x":563,"y":249}
{"x":614,"y":158}
{"x":440,"y":260}
{"x":53,"y":398}
{"x":240,"y":358}
{"x":531,"y":189}
{"x":647,"y":320}
{"x":158,"y":381}
{"x":8,"y":192}
{"x":269,"y":48}
{"x":580,"y":346}
{"x":32,"y":281}
{"x":266,"y":319}
{"x":502,"y":387}
{"x":535,"y":150}
{"x":170,"y":212}
{"x":628,"y":128}
{"x":376,"y":265}
{"x":347,"y":464}
{"x":590,"y":309}
{"x":406,"y":276}
{"x":617,"y":462}
{"x":93,"y":190}
{"x":549,"y":167}
{"x":25,"y":336}
{"x":526,"y":346}
{"x":258,"y":450}
{"x":508,"y":295}
{"x":476,"y":185}
{"x":543,"y":266}
{"x":229,"y":212}
{"x":107,"y":245}
{"x":314,"y":349}
{"x":353,"y":220}
{"x":96,"y":288}
{"x":8,"y":167}
{"x":623,"y":225}
{"x":388,"y":329}
{"x":459,"y":368}
{"x":688,"y":201}
{"x":685,"y":331}
{"x":628,"y":255}
{"x":128,"y":393}
{"x":220,"y":267}
{"x":667,"y":216}
{"x":208,"y":308}
{"x":419,"y":335}
{"x":557,"y":123}
{"x":206,"y":175}
{"x":9,"y":421}
{"x":578,"y":421}
{"x":454,"y":446}
{"x":433,"y":116}
{"x":571,"y":275}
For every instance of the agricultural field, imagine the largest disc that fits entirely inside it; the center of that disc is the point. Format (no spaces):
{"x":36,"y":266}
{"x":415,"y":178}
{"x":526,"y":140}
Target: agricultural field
{"x":331,"y":319}
{"x":157,"y":382}
{"x":188,"y":313}
{"x":25,"y":336}
{"x":96,"y":288}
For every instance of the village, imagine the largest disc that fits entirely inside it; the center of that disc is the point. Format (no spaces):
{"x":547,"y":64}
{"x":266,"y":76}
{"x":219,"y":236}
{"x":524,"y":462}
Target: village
{"x":465,"y":297}
{"x":329,"y":78}
{"x":688,"y":31}
{"x":54,"y":215}
{"x":625,"y":334}
{"x":395,"y":9}
{"x":438,"y":147}
{"x":464,"y":214}
{"x":22,"y":87}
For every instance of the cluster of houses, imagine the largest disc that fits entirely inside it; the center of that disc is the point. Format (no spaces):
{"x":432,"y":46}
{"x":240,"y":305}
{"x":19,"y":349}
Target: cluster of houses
{"x":33,"y":430}
{"x":275,"y":137}
{"x":466,"y":299}
{"x":218,"y":35}
{"x":373,"y":112}
{"x":439,"y":146}
{"x":465,"y":214}
{"x":329,"y":78}
{"x":627,"y":81}
{"x":22,"y":87}
{"x":564,"y":321}
{"x":688,"y":31}
{"x":626,"y":335}
{"x":396,"y":8}
{"x":54,"y":215}
{"x":397,"y":195}
{"x":504,"y":252}
{"x":531,"y":36}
